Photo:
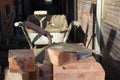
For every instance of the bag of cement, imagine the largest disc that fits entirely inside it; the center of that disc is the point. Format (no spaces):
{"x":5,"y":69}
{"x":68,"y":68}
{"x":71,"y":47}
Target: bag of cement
{"x":58,"y":23}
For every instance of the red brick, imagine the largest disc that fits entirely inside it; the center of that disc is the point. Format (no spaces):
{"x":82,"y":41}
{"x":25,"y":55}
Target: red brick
{"x":46,"y":71}
{"x":15,"y":76}
{"x":58,"y":58}
{"x":79,"y":71}
{"x":34,"y":75}
{"x":21,"y":60}
{"x":42,"y":72}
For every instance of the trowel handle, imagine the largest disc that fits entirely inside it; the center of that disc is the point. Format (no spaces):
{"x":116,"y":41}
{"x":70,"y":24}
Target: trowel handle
{"x":34,"y":27}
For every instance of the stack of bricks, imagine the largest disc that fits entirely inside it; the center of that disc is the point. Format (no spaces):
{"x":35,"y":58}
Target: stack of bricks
{"x":67,"y":67}
{"x":61,"y":66}
{"x":21,"y":63}
{"x":22,"y":67}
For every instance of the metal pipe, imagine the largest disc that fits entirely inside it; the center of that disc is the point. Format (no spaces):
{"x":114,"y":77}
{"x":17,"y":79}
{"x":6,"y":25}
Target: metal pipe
{"x":99,"y":24}
{"x":26,"y":36}
{"x":75,"y":10}
{"x":75,"y":19}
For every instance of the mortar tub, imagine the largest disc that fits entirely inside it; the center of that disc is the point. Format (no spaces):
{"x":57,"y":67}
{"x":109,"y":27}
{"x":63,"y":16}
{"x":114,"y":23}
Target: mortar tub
{"x":36,"y":39}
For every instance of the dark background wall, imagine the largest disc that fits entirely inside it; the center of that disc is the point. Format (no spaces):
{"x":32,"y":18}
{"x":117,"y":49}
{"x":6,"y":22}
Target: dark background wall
{"x":67,"y":8}
{"x":6,"y":8}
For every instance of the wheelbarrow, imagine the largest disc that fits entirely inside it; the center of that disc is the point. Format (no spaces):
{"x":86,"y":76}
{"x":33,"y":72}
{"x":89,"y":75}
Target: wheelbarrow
{"x":38,"y":52}
{"x":36,"y":28}
{"x":45,"y":21}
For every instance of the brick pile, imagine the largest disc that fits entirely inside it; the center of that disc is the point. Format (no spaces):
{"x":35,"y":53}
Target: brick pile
{"x":67,"y":67}
{"x":60,"y":65}
{"x":79,"y":70}
{"x":22,"y":67}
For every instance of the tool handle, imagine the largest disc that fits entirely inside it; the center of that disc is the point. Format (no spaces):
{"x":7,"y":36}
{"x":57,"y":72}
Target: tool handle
{"x":34,"y":27}
{"x":39,"y":30}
